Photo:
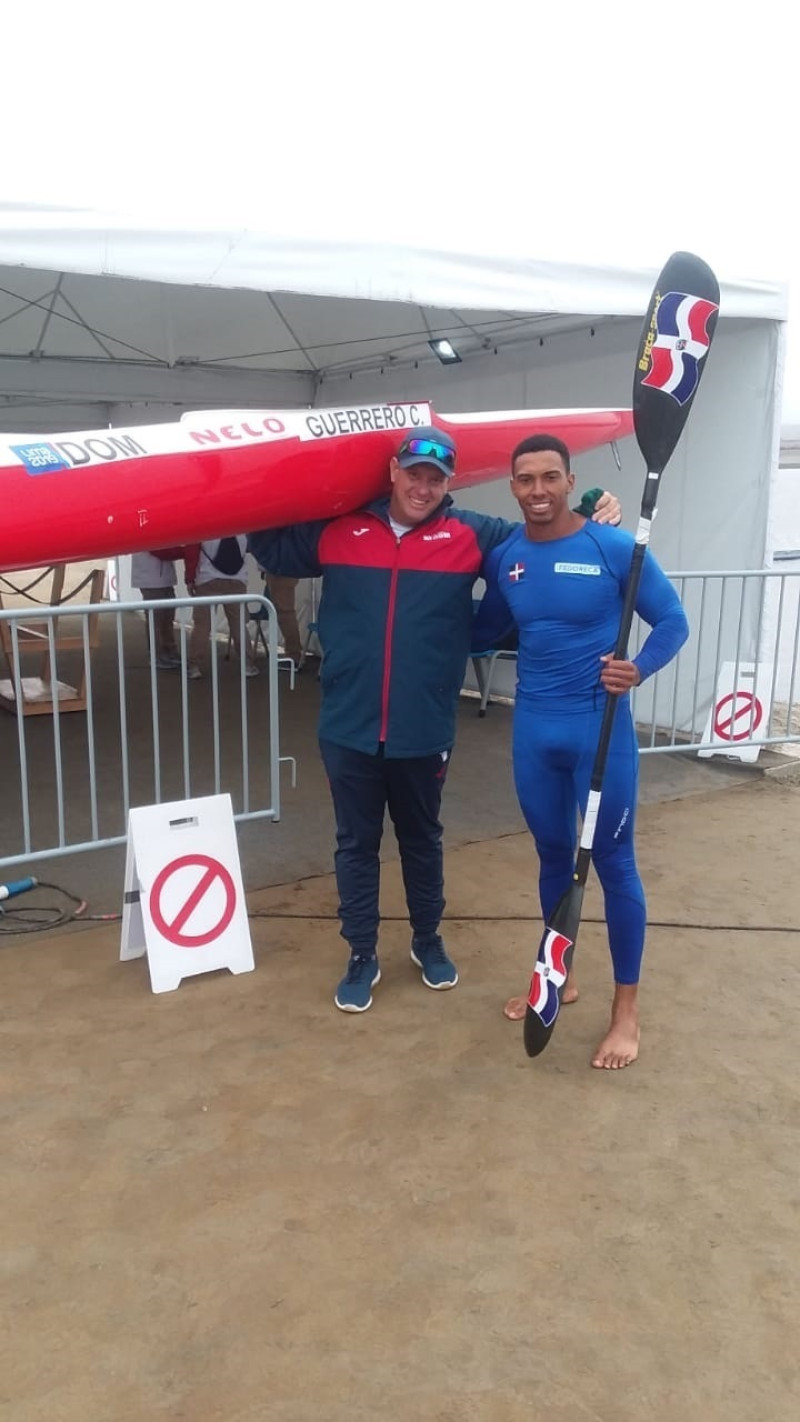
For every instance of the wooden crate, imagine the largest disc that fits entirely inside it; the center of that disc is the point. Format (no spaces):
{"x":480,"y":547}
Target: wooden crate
{"x":33,"y":647}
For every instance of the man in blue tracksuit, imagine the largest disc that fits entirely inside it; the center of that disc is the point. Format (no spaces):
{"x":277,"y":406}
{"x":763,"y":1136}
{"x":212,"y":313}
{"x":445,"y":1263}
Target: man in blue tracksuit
{"x":561,"y":581}
{"x":395,"y":622}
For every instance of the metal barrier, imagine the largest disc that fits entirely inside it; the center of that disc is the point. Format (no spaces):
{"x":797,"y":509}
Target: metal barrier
{"x":750,"y":616}
{"x":75,"y":772}
{"x":160,"y":738}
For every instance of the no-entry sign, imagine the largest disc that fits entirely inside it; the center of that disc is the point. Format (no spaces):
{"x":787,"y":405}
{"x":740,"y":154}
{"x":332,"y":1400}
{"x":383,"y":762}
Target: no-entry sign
{"x":198,"y":917}
{"x":740,"y":711}
{"x":184,"y":902}
{"x":737,"y":716}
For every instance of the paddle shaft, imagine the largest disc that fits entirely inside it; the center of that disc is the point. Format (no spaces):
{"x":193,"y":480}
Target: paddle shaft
{"x":646,"y":515}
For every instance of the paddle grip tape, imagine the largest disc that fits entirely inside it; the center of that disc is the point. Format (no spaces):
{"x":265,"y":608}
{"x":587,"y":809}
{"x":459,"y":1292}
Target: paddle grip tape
{"x":590,"y":819}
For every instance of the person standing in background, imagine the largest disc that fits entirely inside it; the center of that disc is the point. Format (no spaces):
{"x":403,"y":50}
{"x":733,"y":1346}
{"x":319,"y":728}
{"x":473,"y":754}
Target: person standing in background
{"x":281,"y":593}
{"x":216,"y":568}
{"x":155,"y":576}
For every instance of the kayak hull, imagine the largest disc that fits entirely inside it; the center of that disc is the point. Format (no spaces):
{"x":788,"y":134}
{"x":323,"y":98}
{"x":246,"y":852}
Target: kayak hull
{"x":98,"y":494}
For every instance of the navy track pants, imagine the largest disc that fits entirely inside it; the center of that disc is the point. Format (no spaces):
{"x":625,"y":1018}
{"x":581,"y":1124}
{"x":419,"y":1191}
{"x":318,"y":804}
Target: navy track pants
{"x":363,"y":787}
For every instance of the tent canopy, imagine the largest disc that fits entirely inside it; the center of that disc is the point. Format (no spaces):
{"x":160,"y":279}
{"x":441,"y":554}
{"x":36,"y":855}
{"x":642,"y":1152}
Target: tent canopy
{"x":108,"y":322}
{"x":105,"y":320}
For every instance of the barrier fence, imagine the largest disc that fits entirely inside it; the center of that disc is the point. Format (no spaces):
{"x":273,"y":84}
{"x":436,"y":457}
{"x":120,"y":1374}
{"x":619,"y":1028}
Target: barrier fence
{"x":147,"y":735}
{"x":748,"y":621}
{"x":144,"y":734}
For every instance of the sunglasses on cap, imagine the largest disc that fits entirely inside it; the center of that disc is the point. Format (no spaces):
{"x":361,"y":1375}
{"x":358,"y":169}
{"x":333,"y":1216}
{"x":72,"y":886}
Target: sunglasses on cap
{"x":430,"y":449}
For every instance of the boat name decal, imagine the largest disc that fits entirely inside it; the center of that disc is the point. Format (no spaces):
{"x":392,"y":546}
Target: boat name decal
{"x":45,"y":457}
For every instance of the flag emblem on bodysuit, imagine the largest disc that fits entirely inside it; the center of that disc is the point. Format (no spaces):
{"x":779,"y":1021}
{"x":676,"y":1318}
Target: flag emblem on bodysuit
{"x":680,"y":344}
{"x":549,"y":974}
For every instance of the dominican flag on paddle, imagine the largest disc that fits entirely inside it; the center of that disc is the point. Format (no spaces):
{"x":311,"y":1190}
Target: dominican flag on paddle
{"x":549,"y":976}
{"x":551,"y":969}
{"x":678,"y":329}
{"x":681,"y":341}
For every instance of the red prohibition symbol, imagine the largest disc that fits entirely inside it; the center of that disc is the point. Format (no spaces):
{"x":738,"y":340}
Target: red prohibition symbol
{"x":173,"y":929}
{"x":731,"y":709}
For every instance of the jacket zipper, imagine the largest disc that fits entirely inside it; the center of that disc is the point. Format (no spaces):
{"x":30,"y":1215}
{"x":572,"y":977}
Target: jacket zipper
{"x":387,"y":645}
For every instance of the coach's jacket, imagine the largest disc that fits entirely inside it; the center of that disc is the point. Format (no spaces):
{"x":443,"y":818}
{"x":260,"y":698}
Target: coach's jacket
{"x":395,"y":619}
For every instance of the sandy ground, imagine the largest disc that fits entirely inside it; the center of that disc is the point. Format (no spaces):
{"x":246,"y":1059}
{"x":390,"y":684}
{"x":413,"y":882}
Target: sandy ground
{"x":233,"y":1203}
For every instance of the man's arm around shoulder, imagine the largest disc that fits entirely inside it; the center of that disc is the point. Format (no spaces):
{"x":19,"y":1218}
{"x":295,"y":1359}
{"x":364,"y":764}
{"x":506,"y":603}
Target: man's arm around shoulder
{"x":291,"y":552}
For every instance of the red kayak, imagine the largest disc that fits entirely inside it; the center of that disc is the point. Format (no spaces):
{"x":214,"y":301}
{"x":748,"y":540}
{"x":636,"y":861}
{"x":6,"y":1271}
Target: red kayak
{"x":71,"y":497}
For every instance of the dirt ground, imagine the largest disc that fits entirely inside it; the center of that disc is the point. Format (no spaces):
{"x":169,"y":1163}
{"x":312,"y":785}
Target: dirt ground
{"x":233,"y":1203}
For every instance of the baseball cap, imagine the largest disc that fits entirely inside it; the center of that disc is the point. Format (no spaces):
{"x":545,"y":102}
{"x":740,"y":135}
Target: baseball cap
{"x":428,"y":445}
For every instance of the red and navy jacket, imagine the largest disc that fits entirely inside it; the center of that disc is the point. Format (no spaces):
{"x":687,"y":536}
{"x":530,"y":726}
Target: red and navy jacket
{"x":395,"y":619}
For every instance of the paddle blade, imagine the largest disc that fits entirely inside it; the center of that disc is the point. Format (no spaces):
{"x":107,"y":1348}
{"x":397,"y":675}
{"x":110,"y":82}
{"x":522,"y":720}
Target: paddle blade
{"x":553,"y":963}
{"x":677,"y":333}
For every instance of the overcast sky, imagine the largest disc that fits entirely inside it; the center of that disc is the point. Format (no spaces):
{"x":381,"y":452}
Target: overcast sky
{"x":615,"y":132}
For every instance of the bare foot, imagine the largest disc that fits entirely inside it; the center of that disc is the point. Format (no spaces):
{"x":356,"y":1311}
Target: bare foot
{"x":515,"y":1008}
{"x":620,"y":1047}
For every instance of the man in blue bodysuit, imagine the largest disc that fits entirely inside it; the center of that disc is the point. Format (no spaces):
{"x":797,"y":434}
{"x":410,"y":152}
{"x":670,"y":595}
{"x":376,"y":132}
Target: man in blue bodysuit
{"x":561,"y":581}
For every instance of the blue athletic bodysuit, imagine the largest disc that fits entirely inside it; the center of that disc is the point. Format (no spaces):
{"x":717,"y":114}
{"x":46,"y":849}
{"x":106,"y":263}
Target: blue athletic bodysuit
{"x":565,"y":597}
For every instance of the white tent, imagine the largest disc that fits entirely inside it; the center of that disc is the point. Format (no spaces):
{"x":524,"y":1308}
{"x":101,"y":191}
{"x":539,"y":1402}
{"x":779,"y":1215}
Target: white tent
{"x":108,"y":321}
